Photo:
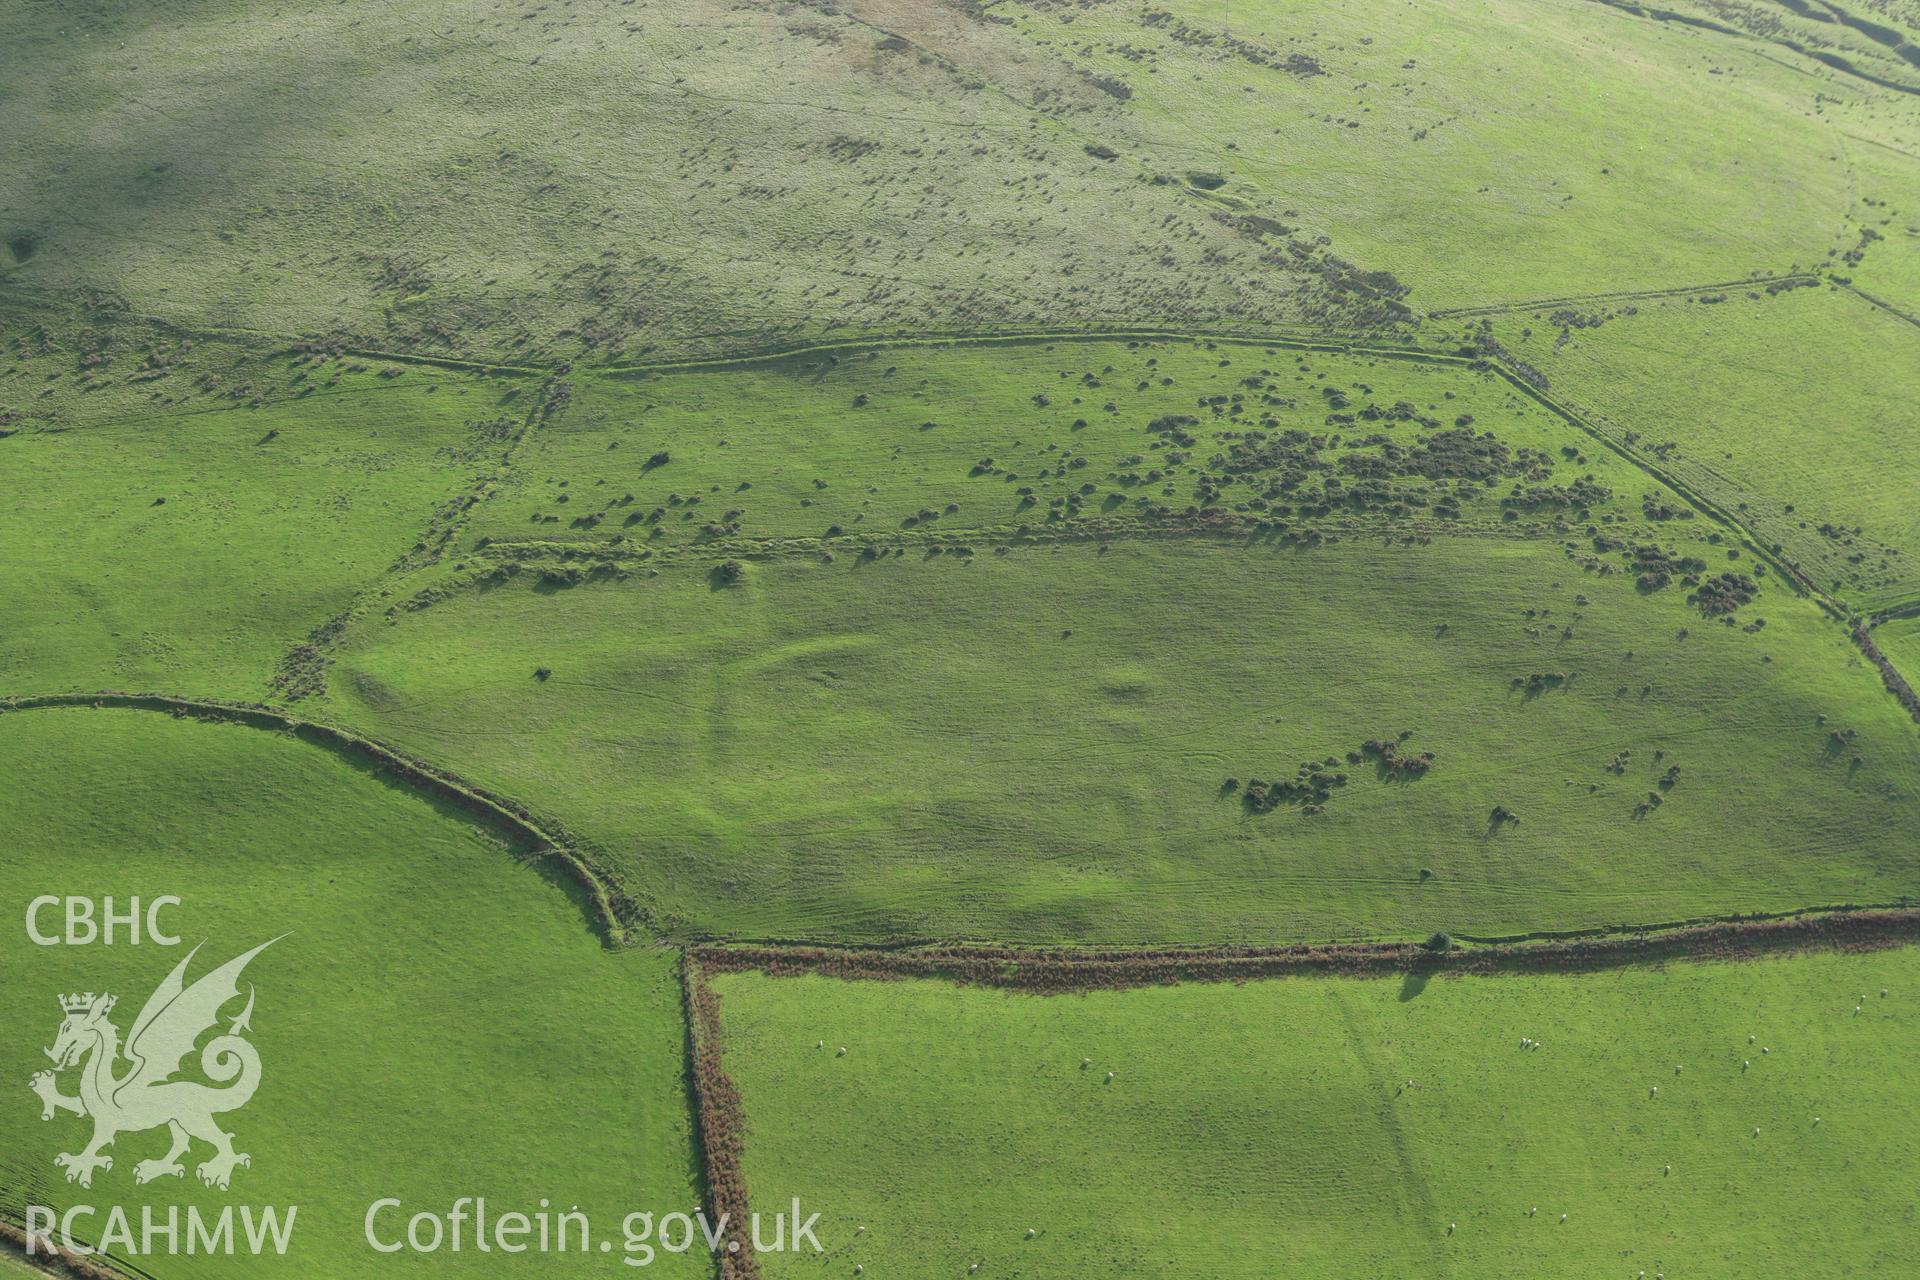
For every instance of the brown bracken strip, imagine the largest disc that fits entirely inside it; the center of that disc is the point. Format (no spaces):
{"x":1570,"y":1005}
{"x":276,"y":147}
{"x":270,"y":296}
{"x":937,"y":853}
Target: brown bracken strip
{"x":723,"y":1124}
{"x":1049,"y":971}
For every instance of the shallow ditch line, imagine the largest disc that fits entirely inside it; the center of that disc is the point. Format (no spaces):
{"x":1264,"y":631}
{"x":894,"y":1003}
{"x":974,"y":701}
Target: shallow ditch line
{"x":1625,"y":295}
{"x":546,"y":839}
{"x":535,"y":553}
{"x":306,"y":663}
{"x":1291,"y":339}
{"x":1880,"y":303}
{"x":256,"y":337}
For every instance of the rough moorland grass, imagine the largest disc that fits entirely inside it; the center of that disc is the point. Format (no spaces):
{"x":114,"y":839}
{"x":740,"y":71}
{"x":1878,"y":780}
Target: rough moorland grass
{"x":1033,"y":745}
{"x":1885,"y":156}
{"x":1792,"y":411}
{"x":1480,"y":152}
{"x":442,"y":1019}
{"x":1339,"y":1127}
{"x":189,"y":551}
{"x":467,"y":177}
{"x":867,"y":442}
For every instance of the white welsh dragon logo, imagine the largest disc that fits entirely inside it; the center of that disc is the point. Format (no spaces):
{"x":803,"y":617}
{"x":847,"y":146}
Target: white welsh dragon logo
{"x":146,"y":1095}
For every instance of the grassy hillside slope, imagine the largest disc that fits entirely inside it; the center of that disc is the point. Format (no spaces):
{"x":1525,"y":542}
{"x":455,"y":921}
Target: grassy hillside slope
{"x":188,"y":548}
{"x":493,"y":176}
{"x":1036,"y":744}
{"x":1479,"y":152}
{"x":440,"y":1020}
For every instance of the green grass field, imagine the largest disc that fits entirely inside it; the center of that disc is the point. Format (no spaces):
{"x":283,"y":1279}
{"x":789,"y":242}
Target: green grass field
{"x":1793,"y":412}
{"x":873,"y":442}
{"x":1886,"y":163}
{"x":189,"y":549}
{"x":15,"y":1269}
{"x":1033,"y":745}
{"x":1269,"y":1129}
{"x":440,"y":1020}
{"x":1900,"y":641}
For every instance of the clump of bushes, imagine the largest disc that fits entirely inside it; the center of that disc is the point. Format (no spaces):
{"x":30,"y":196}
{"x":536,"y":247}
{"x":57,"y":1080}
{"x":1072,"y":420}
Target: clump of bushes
{"x":1310,"y":788}
{"x":1723,"y":593}
{"x":1388,"y":756}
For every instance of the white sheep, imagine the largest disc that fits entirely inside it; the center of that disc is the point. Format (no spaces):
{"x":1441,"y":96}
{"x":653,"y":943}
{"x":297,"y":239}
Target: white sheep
{"x":1109,"y":1077}
{"x":1666,"y":1171}
{"x":1031,"y":1233}
{"x":842,"y":1052}
{"x":1563,"y":1217}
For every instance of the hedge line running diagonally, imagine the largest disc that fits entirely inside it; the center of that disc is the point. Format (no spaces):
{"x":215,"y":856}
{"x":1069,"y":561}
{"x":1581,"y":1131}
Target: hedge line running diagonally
{"x":617,"y":917}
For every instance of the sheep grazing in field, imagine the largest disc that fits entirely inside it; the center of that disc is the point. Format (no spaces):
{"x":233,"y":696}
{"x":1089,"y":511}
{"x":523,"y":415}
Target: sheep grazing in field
{"x":1109,"y":1077}
{"x":819,"y":1044}
{"x":1666,"y":1171}
{"x":1816,"y":1119}
{"x":1750,"y":1039}
{"x":1676,"y":1068}
{"x":1883,"y":993}
{"x":1031,"y":1233}
{"x":1533,"y":1211}
{"x":1756,"y":1131}
{"x":1452,"y":1227}
{"x":1085,"y":1063}
{"x":1563,"y":1217}
{"x":1654,"y":1092}
{"x":1745,"y":1063}
{"x":859,"y":1231}
{"x":842,"y":1052}
{"x":859,"y":1270}
{"x":974,"y":1268}
{"x":1764,"y":1049}
{"x":1856,"y":1011}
